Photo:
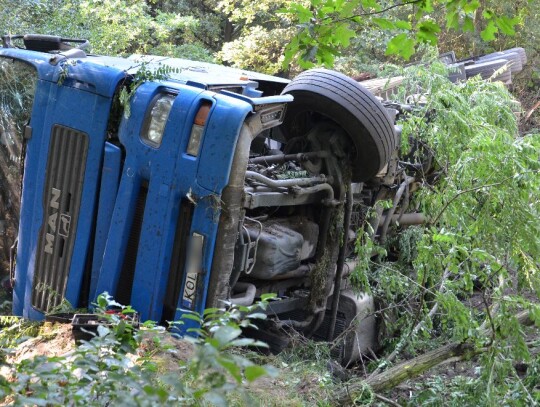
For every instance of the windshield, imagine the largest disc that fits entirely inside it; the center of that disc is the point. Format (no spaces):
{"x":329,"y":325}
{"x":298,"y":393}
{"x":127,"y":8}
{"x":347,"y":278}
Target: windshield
{"x":17,"y":87}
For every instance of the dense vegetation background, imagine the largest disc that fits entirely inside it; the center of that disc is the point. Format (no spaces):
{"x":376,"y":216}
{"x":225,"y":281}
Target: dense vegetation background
{"x":465,"y":285}
{"x":352,"y":36}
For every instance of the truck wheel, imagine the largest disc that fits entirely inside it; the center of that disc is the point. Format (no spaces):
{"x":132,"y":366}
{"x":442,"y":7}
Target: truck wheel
{"x":322,"y":94}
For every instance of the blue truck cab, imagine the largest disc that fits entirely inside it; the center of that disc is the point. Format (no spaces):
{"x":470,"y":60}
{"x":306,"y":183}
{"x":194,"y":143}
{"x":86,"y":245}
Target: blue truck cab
{"x":203,"y":187}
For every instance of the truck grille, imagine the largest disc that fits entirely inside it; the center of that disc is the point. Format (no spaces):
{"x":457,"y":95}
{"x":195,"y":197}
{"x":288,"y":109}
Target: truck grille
{"x":61,"y":203}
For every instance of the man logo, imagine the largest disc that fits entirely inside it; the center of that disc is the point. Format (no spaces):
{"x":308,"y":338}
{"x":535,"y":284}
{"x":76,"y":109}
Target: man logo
{"x":65,"y":222}
{"x":54,"y":205}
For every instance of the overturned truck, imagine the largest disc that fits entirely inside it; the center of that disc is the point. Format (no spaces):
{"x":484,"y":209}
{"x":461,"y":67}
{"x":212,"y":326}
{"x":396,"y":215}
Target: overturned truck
{"x":208,"y":186}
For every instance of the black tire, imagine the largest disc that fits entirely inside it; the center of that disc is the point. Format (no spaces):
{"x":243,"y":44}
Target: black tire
{"x":321,"y":94}
{"x":520,"y":51}
{"x":485,"y":69}
{"x":513,"y":58}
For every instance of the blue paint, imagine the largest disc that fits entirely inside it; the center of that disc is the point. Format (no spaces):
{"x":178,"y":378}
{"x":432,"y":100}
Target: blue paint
{"x":116,"y":171}
{"x":110,"y":179}
{"x":72,"y":107}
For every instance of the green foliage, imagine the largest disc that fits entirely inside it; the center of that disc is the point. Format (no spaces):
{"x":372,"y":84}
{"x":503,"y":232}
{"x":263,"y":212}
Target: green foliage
{"x":482,"y":199}
{"x":477,"y":201}
{"x":402,"y":45}
{"x":214,"y":370}
{"x":258,"y":37}
{"x":483,"y":387}
{"x":192,"y":52}
{"x":245,"y":52}
{"x":113,"y":27}
{"x":15,"y":330}
{"x":325,"y":27}
{"x":272,"y":36}
{"x":110,"y":369}
{"x":142,"y":73}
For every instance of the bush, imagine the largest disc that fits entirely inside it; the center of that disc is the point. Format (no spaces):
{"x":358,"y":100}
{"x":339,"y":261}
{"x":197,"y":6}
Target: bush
{"x":108,"y":369}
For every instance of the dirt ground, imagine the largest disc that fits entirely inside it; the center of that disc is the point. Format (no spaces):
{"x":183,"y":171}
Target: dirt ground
{"x":54,"y":340}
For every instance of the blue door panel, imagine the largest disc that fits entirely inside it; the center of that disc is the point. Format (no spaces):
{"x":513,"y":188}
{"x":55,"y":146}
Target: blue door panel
{"x":110,"y":178}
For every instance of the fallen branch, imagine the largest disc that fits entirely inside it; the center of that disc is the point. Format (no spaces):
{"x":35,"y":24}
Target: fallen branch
{"x":531,"y":111}
{"x":386,"y":400}
{"x":390,"y":378}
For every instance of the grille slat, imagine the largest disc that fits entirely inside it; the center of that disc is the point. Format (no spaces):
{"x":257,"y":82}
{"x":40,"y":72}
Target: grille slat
{"x":61,"y":204}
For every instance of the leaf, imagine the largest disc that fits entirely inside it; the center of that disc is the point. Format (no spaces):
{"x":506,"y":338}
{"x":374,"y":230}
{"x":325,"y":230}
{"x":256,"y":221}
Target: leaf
{"x":452,"y":20}
{"x":120,"y":328}
{"x":384,"y":23}
{"x":401,"y":45}
{"x":427,"y":6}
{"x":254,"y":372}
{"x":211,"y":311}
{"x":102,"y":300}
{"x":403,"y":25}
{"x":242,"y":342}
{"x":225,"y":334}
{"x":268,"y":296}
{"x":257,"y":315}
{"x":373,"y":4}
{"x":471,"y":6}
{"x":488,"y":34}
{"x":468,"y":24}
{"x":310,"y":53}
{"x":487,"y":14}
{"x":343,"y":34}
{"x":193,"y":317}
{"x":506,"y":24}
{"x":232,"y":368}
{"x":427,"y":32}
{"x":346,"y":10}
{"x":443,"y":238}
{"x":102,"y":331}
{"x":302,"y":13}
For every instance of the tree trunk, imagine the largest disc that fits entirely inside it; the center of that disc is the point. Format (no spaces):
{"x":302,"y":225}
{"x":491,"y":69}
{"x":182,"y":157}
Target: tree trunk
{"x":228,"y":31}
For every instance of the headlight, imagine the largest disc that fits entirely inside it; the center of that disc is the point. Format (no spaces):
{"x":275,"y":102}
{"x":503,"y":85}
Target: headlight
{"x":197,"y":129}
{"x":157,"y":118}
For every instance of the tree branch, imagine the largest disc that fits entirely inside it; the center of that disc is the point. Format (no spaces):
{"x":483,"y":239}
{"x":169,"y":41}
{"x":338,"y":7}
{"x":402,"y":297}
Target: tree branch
{"x":376,"y":12}
{"x":465,"y":191}
{"x":457,"y":195}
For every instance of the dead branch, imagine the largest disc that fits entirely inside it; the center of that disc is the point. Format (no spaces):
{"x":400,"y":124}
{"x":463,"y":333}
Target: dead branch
{"x":386,"y":400}
{"x":531,"y":111}
{"x":395,"y":375}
